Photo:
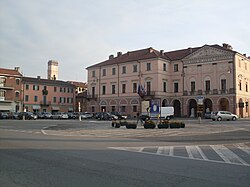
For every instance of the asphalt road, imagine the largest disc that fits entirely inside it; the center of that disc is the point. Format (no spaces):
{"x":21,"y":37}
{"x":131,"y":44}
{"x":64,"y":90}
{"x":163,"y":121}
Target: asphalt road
{"x":92,"y":153}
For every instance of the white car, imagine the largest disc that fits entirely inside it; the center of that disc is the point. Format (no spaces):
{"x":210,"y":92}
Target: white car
{"x":86,"y":115}
{"x":223,"y":115}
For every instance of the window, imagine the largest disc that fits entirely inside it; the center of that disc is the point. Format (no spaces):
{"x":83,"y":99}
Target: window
{"x":103,"y":90}
{"x":17,"y":94}
{"x":123,"y":69}
{"x":64,"y":90}
{"x":93,"y":109}
{"x":67,"y":99}
{"x":239,"y":85}
{"x":68,"y":90}
{"x":54,"y":99}
{"x":60,"y":100}
{"x":113,"y":71}
{"x":55,"y":89}
{"x":45,"y":87}
{"x":27,"y":87}
{"x":35,"y":87}
{"x":123,"y":88}
{"x":148,"y":66}
{"x":123,"y":108}
{"x":113,"y":89}
{"x":135,"y":68}
{"x":246,"y":87}
{"x":164,"y":87}
{"x":134,"y":108}
{"x":2,"y":81}
{"x":176,"y":86}
{"x":192,"y":86}
{"x":17,"y":81}
{"x":207,"y":84}
{"x":103,"y":72}
{"x":72,"y":90}
{"x":176,"y":67}
{"x":148,"y":87}
{"x":93,"y":91}
{"x":113,"y":108}
{"x":35,"y":98}
{"x":61,"y":89}
{"x":164,"y":67}
{"x":134,"y":87}
{"x":93,"y":73}
{"x":26,"y":98}
{"x":223,"y":84}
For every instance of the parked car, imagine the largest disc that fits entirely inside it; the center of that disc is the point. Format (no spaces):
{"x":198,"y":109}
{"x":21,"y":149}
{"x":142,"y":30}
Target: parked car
{"x":60,"y":115}
{"x":119,"y":115}
{"x":223,"y":115}
{"x":86,"y":115}
{"x":47,"y":115}
{"x":207,"y":115}
{"x":4,"y":115}
{"x":105,"y":116}
{"x":27,"y":115}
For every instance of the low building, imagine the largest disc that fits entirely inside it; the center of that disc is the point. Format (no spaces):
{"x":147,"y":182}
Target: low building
{"x":44,"y":95}
{"x":10,"y":90}
{"x":192,"y":80}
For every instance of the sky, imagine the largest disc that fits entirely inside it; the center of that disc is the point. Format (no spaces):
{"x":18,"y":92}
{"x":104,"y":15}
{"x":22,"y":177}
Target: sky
{"x":81,"y":33}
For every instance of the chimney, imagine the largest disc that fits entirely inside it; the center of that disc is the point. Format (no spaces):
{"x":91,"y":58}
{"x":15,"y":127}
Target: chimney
{"x":227,"y":46}
{"x":151,"y":50}
{"x":162,"y":52}
{"x":111,"y":57}
{"x":119,"y":54}
{"x":245,"y":55}
{"x":38,"y":77}
{"x":17,"y":69}
{"x":190,"y":50}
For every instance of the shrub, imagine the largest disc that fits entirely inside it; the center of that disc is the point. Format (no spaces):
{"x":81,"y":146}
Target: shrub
{"x":177,"y":124}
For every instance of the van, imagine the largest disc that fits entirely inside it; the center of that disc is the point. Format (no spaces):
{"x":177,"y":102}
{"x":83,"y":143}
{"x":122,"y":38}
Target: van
{"x":167,"y":112}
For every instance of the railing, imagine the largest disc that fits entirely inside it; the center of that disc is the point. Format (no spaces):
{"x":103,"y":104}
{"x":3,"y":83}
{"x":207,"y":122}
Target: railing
{"x":208,"y":92}
{"x":45,"y":103}
{"x":150,"y":93}
{"x":92,"y":96}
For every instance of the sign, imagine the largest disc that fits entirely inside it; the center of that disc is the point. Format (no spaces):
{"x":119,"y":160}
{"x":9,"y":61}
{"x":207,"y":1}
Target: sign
{"x":144,"y":106}
{"x":200,"y":99}
{"x":200,"y":108}
{"x":154,"y":108}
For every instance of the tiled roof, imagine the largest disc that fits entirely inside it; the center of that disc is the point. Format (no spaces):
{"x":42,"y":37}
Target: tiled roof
{"x":149,"y":53}
{"x":10,"y":72}
{"x":46,"y":82}
{"x":78,"y":84}
{"x":133,"y":56}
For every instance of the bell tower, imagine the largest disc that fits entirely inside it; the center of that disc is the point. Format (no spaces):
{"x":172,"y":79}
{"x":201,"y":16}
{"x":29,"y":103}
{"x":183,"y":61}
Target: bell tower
{"x":52,"y":70}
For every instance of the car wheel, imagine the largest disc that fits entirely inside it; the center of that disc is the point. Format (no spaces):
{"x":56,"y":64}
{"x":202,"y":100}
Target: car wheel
{"x":219,"y":118}
{"x":213,"y":119}
{"x":234,"y":118}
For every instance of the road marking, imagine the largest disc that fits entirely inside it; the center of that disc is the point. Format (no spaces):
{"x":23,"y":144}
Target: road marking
{"x":243,"y":147}
{"x":194,"y":152}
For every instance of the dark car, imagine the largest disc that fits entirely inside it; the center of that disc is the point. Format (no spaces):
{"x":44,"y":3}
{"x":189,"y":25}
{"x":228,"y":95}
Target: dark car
{"x":27,"y":115}
{"x":4,"y":115}
{"x":207,"y":115}
{"x":104,"y":116}
{"x":119,"y":115}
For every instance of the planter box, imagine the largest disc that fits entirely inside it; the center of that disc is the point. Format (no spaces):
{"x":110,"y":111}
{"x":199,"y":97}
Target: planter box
{"x":131,"y":125}
{"x":177,"y":125}
{"x":116,"y":125}
{"x":149,"y":126}
{"x":163,"y":126}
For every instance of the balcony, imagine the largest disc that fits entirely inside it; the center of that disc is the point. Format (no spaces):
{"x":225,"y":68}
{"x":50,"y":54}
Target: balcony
{"x":45,"y":103}
{"x":92,"y":96}
{"x":3,"y":86}
{"x":150,"y":93}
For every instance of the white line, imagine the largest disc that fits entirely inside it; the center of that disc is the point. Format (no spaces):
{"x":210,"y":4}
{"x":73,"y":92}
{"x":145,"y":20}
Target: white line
{"x":243,"y":147}
{"x":188,"y":148}
{"x":227,"y":155}
{"x":160,"y":150}
{"x":171,"y":151}
{"x":201,"y":153}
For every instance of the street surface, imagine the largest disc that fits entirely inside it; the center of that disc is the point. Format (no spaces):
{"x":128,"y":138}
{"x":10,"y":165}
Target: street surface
{"x":92,"y":153}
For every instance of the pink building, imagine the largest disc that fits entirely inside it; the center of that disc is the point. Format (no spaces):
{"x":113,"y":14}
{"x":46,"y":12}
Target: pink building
{"x":44,"y":95}
{"x":216,"y":75}
{"x":10,"y":90}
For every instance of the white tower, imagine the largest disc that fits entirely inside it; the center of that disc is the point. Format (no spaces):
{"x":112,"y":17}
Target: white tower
{"x":52,"y":70}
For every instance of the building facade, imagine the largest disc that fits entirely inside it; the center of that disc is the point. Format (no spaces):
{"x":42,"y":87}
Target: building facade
{"x":216,"y":75}
{"x":10,"y":90}
{"x":44,"y":95}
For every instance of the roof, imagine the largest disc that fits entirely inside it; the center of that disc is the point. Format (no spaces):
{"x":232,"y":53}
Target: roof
{"x":142,"y":54}
{"x":78,"y":84}
{"x":46,"y":82}
{"x":150,"y":53}
{"x":10,"y":72}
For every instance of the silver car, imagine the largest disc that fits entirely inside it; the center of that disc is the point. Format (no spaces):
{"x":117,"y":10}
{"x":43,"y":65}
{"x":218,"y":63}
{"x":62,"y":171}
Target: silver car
{"x":223,"y":115}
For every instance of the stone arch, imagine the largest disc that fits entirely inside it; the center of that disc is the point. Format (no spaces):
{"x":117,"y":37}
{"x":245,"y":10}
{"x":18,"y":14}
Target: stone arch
{"x":208,"y":105}
{"x":123,"y":102}
{"x":223,"y":104}
{"x":134,"y":102}
{"x":164,"y":102}
{"x":192,"y":108}
{"x":113,"y":102}
{"x":177,"y":108}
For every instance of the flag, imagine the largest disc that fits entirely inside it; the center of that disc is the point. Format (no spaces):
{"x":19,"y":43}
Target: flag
{"x":141,"y":90}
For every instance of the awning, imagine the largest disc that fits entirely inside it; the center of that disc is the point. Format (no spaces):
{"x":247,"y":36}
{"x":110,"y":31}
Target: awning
{"x":70,"y":109}
{"x":55,"y":108}
{"x":36,"y":107}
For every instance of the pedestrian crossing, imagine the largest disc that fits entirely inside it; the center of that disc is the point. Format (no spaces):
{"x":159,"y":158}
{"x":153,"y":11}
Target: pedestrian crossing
{"x":238,"y":154}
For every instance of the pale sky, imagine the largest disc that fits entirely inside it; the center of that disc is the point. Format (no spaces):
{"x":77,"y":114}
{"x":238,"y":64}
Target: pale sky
{"x":80,"y":33}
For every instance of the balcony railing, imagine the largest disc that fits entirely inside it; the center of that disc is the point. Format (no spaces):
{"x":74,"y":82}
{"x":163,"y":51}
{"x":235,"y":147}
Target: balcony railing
{"x":45,"y":103}
{"x":3,"y":86}
{"x":150,"y":93}
{"x":208,"y":92}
